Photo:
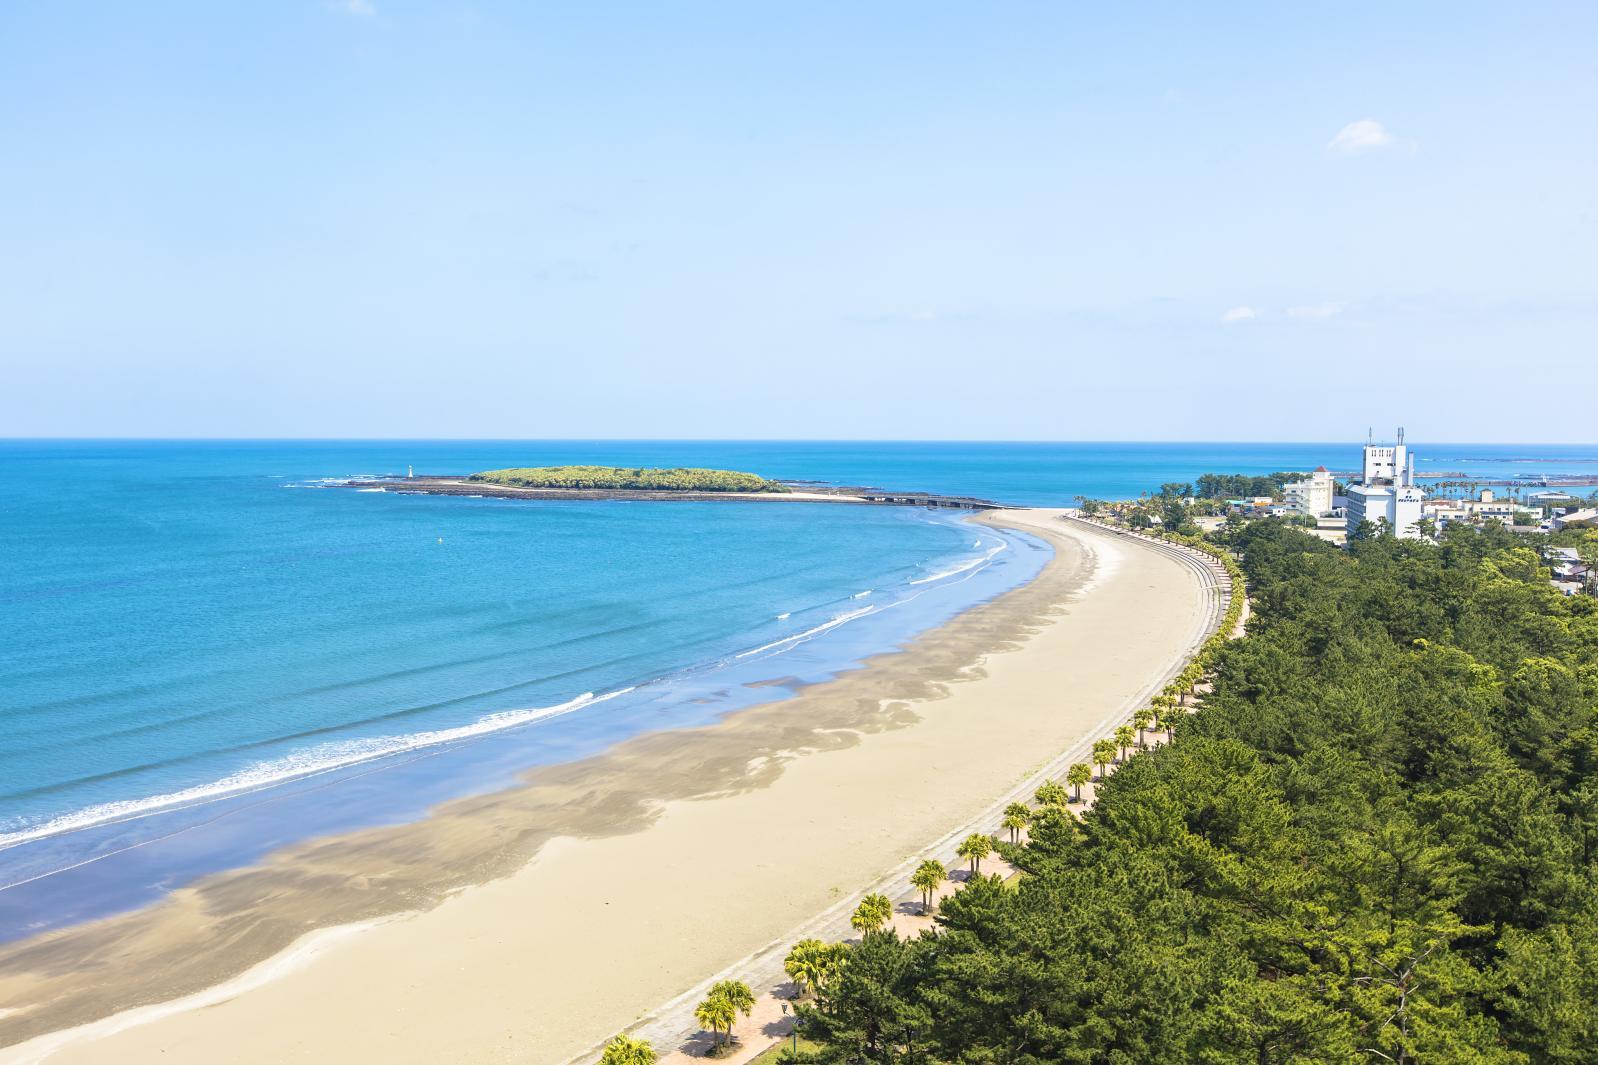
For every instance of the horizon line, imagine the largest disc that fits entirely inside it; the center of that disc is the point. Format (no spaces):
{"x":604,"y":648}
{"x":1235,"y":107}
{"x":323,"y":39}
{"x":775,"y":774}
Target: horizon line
{"x":750,"y":440}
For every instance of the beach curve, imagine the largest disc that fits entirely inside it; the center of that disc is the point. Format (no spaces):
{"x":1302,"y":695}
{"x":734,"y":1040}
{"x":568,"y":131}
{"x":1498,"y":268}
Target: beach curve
{"x":776,"y":814}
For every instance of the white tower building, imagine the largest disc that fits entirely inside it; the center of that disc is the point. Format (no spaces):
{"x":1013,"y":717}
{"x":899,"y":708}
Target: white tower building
{"x":1388,"y":492}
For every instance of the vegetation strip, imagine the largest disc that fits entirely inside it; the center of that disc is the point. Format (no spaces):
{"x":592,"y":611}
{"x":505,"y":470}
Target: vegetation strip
{"x":620,"y":478}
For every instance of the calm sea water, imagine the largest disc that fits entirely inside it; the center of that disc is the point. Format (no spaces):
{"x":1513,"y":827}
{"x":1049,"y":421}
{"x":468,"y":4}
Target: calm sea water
{"x":210,"y":652}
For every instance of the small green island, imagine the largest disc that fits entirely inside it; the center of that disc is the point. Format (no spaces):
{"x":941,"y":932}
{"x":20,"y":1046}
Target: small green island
{"x":629,"y":479}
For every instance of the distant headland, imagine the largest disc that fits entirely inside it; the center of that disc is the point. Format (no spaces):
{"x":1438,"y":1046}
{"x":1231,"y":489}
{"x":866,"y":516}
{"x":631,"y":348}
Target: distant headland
{"x":645,"y":483}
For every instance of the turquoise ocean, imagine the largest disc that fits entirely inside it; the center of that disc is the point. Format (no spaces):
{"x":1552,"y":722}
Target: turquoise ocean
{"x":212,"y":649}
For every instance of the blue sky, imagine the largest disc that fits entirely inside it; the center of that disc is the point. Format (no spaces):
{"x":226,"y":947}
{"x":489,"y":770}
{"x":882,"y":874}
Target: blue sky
{"x":834,"y":220}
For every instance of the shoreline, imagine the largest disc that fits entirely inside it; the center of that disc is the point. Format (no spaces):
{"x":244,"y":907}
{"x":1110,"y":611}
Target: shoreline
{"x":483,"y":870}
{"x":112,"y":858}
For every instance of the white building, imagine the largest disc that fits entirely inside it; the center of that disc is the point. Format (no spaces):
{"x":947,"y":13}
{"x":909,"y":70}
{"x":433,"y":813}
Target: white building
{"x":1312,"y":495}
{"x":1389,"y":492}
{"x":1383,"y":463}
{"x":1588,"y":517}
{"x":1472,"y":510}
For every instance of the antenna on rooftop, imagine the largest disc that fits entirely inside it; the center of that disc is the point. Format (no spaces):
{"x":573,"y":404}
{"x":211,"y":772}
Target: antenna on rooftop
{"x":1400,"y":434}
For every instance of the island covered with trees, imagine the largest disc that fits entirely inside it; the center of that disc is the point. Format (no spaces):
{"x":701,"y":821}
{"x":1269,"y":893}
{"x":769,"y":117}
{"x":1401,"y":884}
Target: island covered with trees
{"x":628,"y":479}
{"x":1376,"y":839}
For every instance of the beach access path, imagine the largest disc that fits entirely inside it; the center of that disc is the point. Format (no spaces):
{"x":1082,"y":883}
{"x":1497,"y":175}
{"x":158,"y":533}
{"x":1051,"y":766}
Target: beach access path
{"x":762,"y":828}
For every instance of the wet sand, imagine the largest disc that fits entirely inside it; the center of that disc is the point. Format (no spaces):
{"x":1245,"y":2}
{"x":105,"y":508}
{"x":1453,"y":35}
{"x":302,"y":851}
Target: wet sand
{"x":536,"y":921}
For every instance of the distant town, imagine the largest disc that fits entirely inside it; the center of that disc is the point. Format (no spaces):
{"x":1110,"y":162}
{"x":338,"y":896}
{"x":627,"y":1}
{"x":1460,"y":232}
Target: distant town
{"x":1383,"y":497}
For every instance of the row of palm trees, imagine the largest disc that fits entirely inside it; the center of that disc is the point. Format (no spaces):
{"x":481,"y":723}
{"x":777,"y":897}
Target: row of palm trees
{"x":1162,"y":711}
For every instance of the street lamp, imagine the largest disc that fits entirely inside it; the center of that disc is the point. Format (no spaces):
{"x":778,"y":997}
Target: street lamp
{"x":794,"y":1029}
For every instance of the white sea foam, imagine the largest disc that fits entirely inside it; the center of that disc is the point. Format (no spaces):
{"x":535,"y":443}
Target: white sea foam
{"x":800,"y":637}
{"x":331,"y":482}
{"x":371,"y":489}
{"x":968,"y":564}
{"x":330,"y":757}
{"x":311,"y":762}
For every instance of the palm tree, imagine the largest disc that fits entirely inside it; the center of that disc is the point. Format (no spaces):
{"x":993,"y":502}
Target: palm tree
{"x":1076,"y":776}
{"x":819,"y":962}
{"x":872,"y":913}
{"x":720,"y":1009}
{"x":716,"y":1013}
{"x":625,"y":1050}
{"x":928,"y":875}
{"x":1017,"y":816}
{"x":1171,"y":707}
{"x":1050,"y":793}
{"x":1103,"y":755}
{"x":974,"y":848}
{"x":1123,"y":739}
{"x":1143,"y":717}
{"x":737,"y":992}
{"x":1587,"y":551}
{"x":806,"y":965}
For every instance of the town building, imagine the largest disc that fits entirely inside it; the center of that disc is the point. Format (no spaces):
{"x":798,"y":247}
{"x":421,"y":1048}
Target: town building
{"x":1384,"y":464}
{"x":1486,"y":507}
{"x":1576,"y":517}
{"x":1387,"y":492}
{"x":1570,"y":574}
{"x":1312,"y":495}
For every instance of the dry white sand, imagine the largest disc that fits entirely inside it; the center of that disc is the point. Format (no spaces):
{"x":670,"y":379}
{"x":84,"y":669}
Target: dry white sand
{"x":598,"y":930}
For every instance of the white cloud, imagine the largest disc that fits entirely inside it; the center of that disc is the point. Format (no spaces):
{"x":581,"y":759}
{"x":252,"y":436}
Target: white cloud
{"x":1239,"y":314}
{"x":1320,"y":310}
{"x":364,"y":8}
{"x":1361,"y":136}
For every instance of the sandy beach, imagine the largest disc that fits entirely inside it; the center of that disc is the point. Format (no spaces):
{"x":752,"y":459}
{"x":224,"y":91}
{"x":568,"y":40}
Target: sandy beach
{"x":529,"y":925}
